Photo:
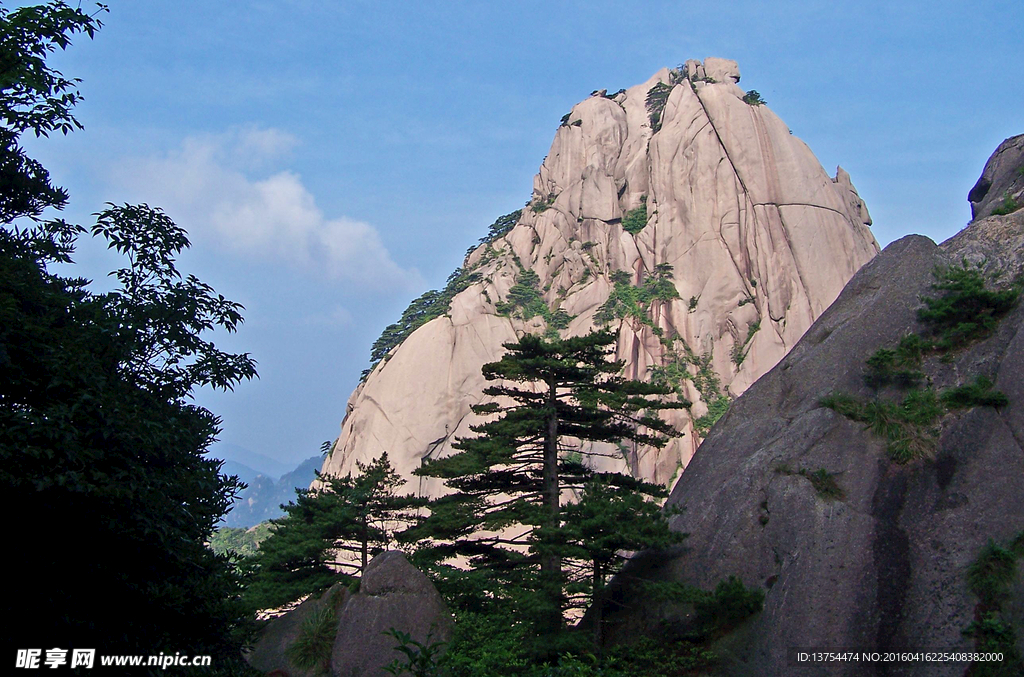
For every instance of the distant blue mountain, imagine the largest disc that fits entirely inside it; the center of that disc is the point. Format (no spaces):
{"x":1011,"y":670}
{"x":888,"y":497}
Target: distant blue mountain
{"x":244,"y":472}
{"x":262,"y":464}
{"x":262,"y":500}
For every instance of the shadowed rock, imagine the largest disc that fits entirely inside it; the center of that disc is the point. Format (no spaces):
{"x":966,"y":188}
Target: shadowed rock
{"x":269,"y":654}
{"x":392,"y":594}
{"x":883,"y":568}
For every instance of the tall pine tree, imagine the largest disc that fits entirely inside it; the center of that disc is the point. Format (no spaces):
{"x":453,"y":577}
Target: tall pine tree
{"x":505,"y":510}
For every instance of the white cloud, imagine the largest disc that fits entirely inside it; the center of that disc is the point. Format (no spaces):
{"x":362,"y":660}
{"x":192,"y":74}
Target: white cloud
{"x":206,"y":186}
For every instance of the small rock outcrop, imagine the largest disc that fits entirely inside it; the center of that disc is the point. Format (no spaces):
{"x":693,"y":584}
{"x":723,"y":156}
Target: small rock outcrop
{"x":1001,"y":185}
{"x":851,"y":548}
{"x":392,"y":594}
{"x":679,"y":178}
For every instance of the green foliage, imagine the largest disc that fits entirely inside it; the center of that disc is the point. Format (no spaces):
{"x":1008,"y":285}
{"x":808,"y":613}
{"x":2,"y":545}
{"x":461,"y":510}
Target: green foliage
{"x":976,"y":394}
{"x":37,"y":98}
{"x":423,"y":309}
{"x":634,"y":302}
{"x":753,"y":98}
{"x":739,"y":351}
{"x":730,"y":604}
{"x":908,"y":425}
{"x":636,"y":219}
{"x":717,"y":612}
{"x":242,"y":542}
{"x":899,"y":366}
{"x":1008,"y":206}
{"x":421,"y":658}
{"x":497,"y":644}
{"x":994,"y":634}
{"x":525,"y":302}
{"x":716,"y":410}
{"x":501,"y":227}
{"x":542,"y":204}
{"x":312,"y":649}
{"x":675,"y":371}
{"x":657,"y":97}
{"x":990,"y":577}
{"x":613,"y":515}
{"x":358,"y":515}
{"x":823,"y":481}
{"x":967,"y":310}
{"x":99,"y":435}
{"x":433,"y":304}
{"x":509,"y":479}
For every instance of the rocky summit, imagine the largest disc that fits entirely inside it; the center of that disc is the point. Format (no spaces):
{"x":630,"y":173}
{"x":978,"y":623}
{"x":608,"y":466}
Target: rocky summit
{"x":681,"y":213}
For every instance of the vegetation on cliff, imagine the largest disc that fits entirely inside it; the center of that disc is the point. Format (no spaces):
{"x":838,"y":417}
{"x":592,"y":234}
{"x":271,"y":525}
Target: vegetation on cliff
{"x":965,"y":310}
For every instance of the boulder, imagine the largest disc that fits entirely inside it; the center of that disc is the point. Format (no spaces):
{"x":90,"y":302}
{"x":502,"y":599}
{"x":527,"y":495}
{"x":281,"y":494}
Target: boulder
{"x":269,"y":653}
{"x":721,"y":70}
{"x":392,"y":594}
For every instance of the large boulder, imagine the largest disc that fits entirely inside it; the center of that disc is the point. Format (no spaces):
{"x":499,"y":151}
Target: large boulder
{"x":884,"y":567}
{"x":392,"y":594}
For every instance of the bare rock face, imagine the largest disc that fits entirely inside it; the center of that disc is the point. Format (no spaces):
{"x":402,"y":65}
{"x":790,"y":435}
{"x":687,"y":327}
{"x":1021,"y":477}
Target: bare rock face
{"x":1001,"y":185}
{"x":884,"y":566}
{"x":679,"y":174}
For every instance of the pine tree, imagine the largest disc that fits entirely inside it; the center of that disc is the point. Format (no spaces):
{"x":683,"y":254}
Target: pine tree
{"x":344,"y":515}
{"x":507,"y":482}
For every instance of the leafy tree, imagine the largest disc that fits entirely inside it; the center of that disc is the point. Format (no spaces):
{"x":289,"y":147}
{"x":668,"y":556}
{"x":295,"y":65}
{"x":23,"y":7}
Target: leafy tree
{"x":345,"y":514}
{"x":507,"y":483}
{"x":99,"y":439}
{"x":102,"y":453}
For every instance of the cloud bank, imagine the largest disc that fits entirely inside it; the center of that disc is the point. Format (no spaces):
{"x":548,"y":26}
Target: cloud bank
{"x":208,"y":186}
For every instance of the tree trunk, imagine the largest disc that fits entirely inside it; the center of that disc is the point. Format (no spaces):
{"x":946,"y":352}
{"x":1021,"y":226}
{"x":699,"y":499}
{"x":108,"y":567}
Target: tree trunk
{"x":365,"y":547}
{"x":597,"y":604}
{"x":551,"y":563}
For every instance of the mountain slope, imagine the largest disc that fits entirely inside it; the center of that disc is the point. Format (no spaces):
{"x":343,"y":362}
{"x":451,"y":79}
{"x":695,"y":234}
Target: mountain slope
{"x":262,"y":500}
{"x":681,"y":215}
{"x":852,"y":548}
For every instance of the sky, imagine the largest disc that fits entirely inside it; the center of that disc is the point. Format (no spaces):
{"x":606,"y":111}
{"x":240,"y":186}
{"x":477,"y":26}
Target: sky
{"x":333,"y":160}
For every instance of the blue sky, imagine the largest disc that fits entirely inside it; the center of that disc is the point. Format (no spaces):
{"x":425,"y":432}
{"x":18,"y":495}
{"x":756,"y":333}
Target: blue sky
{"x":331,"y":161}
